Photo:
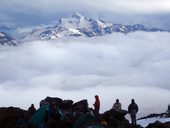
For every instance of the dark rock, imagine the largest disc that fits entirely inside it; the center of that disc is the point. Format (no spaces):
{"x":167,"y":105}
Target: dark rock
{"x":54,"y":100}
{"x":9,"y":116}
{"x":116,"y":118}
{"x":81,"y":106}
{"x":77,"y":115}
{"x":66,"y":104}
{"x":152,"y":115}
{"x":157,"y":124}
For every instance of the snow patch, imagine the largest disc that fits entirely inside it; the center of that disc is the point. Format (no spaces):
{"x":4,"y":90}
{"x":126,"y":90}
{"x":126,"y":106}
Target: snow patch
{"x":74,"y":31}
{"x":2,"y":35}
{"x":146,"y":122}
{"x":101,"y":24}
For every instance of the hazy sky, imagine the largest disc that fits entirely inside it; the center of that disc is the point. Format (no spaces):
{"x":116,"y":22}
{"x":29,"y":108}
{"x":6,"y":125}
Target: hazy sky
{"x":149,"y":12}
{"x":121,"y":66}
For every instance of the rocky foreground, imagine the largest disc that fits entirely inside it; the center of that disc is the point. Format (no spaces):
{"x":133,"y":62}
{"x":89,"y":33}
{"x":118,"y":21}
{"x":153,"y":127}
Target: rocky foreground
{"x":58,"y":113}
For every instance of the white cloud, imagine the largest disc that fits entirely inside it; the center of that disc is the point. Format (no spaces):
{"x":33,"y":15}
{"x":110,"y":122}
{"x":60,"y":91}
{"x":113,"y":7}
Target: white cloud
{"x":113,"y":66}
{"x":138,"y":6}
{"x":26,"y":13}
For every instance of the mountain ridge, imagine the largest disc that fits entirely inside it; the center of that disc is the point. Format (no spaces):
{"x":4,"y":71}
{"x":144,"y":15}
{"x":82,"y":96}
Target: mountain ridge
{"x":5,"y":39}
{"x":77,"y":25}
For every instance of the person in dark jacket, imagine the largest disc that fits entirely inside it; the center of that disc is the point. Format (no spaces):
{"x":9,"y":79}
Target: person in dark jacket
{"x":31,"y":110}
{"x":133,"y":109}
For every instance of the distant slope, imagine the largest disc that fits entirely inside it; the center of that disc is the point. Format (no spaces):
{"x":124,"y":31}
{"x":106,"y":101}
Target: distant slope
{"x":146,"y":122}
{"x":78,"y":25}
{"x":5,"y":39}
{"x":72,"y":26}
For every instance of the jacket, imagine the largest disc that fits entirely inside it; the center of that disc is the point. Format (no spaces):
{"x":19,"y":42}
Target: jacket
{"x":133,"y":107}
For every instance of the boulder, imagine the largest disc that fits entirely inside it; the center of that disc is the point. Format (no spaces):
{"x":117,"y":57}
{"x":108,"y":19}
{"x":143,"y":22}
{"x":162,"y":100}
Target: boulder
{"x":81,"y":106}
{"x":66,"y":104}
{"x":54,"y":100}
{"x":115,"y":118}
{"x":157,"y":124}
{"x":10,"y":115}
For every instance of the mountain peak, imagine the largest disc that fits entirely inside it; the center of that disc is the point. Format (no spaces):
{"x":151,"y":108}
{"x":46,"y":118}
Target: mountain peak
{"x":77,"y":15}
{"x":2,"y":34}
{"x":78,"y":25}
{"x":5,"y":39}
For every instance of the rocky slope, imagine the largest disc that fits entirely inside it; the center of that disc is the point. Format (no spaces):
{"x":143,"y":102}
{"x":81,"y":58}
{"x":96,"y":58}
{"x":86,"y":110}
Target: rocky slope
{"x":72,"y":26}
{"x":78,"y":25}
{"x":5,"y":39}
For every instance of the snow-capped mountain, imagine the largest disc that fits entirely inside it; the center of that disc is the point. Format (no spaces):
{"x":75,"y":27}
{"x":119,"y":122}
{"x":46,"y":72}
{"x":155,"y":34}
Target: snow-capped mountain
{"x":5,"y":39}
{"x":78,"y":25}
{"x":75,"y":25}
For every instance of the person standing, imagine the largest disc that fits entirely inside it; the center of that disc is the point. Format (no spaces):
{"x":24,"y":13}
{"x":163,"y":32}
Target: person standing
{"x":31,"y":110}
{"x":168,"y":111}
{"x":96,"y":104}
{"x":133,"y":109}
{"x":117,"y":105}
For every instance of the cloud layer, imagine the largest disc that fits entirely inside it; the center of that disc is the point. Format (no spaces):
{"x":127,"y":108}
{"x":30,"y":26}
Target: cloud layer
{"x":113,"y":66}
{"x":142,"y":6}
{"x":141,"y":58}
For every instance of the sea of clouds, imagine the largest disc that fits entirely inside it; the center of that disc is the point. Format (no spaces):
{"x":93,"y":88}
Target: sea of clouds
{"x":136,"y":65}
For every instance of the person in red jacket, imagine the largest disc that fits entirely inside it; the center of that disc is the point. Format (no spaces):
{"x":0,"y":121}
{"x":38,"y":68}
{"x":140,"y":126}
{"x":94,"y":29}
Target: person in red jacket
{"x":96,"y":104}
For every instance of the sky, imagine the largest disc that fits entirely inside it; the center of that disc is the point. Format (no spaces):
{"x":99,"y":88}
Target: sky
{"x":121,"y":66}
{"x":34,"y":12}
{"x":136,"y":65}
